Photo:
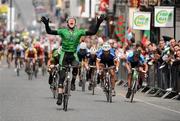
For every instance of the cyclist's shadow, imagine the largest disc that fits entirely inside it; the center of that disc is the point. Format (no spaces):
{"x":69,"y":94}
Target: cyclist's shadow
{"x":60,"y":108}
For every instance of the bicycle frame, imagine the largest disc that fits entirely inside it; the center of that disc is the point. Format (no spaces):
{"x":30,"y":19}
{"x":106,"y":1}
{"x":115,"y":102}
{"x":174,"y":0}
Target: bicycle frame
{"x":94,"y":78}
{"x":135,"y":77}
{"x":18,"y":65}
{"x":108,"y":84}
{"x":55,"y":82}
{"x":67,"y":86}
{"x":83,"y":77}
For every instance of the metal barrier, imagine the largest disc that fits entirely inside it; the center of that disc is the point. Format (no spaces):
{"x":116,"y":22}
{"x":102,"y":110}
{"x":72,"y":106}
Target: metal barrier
{"x":160,"y":78}
{"x":122,"y":73}
{"x":175,"y":72}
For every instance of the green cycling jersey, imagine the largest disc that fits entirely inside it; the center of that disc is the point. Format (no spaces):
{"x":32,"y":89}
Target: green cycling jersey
{"x":70,"y":39}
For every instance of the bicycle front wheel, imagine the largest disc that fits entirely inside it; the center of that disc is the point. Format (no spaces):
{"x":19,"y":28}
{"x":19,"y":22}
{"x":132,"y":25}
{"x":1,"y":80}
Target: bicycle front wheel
{"x":133,"y":90}
{"x":65,"y":102}
{"x":83,"y":80}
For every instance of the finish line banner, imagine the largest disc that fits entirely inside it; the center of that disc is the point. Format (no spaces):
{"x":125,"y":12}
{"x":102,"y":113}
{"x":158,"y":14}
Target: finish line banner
{"x":141,"y":20}
{"x":164,"y":16}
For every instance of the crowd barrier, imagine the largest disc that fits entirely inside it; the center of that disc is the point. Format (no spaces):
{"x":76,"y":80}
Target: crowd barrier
{"x":163,"y":79}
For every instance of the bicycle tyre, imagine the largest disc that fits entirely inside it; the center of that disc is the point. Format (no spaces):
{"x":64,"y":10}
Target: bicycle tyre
{"x":65,"y":102}
{"x":54,"y":90}
{"x":43,"y":70}
{"x":66,"y":95}
{"x":83,"y":81}
{"x":110,"y":91}
{"x":94,"y":83}
{"x":18,"y":68}
{"x":133,"y":91}
{"x":17,"y":71}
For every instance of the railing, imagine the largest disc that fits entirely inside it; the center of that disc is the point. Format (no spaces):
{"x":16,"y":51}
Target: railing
{"x":163,"y":79}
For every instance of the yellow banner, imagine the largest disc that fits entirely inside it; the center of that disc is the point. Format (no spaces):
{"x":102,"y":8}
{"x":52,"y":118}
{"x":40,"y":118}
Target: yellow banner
{"x":3,"y":9}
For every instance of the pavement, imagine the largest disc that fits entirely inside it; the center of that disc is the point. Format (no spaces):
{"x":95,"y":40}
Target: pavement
{"x":31,"y":100}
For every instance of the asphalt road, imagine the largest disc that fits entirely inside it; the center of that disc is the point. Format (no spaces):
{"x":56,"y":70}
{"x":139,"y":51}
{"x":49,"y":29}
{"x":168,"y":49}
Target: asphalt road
{"x":25,"y":100}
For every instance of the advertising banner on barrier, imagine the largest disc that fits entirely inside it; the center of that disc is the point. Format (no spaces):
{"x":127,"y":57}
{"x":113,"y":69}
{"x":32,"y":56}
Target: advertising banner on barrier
{"x":164,"y":16}
{"x":141,"y":20}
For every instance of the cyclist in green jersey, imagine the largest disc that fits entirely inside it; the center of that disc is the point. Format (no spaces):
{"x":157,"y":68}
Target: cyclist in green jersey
{"x":70,"y":40}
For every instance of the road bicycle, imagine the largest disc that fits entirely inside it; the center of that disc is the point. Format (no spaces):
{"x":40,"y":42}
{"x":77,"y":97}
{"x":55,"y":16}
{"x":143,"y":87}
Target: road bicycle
{"x":94,"y":78}
{"x":83,"y":77}
{"x":18,"y":67}
{"x":135,"y":78}
{"x":67,"y":85}
{"x":107,"y":83}
{"x":54,"y":85}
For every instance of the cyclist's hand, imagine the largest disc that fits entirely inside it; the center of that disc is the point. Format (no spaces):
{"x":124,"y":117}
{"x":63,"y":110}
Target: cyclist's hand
{"x":51,"y":66}
{"x":101,"y":18}
{"x":87,"y":67}
{"x":117,"y":69}
{"x":44,"y":20}
{"x":129,"y":72}
{"x":98,"y":71}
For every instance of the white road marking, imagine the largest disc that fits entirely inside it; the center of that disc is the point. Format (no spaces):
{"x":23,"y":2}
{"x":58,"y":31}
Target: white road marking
{"x":154,"y":105}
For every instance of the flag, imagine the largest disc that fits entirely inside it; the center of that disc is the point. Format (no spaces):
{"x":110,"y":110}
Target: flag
{"x":146,"y":37}
{"x":120,"y":29}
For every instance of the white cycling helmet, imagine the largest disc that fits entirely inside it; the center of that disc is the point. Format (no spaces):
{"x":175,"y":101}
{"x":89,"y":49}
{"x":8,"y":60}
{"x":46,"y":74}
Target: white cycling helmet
{"x":93,"y":50}
{"x":106,"y":46}
{"x":17,"y":40}
{"x":5,"y":42}
{"x":18,"y":46}
{"x":83,"y":45}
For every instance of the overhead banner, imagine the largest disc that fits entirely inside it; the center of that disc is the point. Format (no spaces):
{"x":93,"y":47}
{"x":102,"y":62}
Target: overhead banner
{"x":141,"y":20}
{"x":164,"y":16}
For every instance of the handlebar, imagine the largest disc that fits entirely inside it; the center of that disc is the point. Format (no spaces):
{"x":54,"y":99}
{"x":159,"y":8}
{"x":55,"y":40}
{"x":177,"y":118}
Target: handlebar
{"x":108,"y":68}
{"x":92,"y":66}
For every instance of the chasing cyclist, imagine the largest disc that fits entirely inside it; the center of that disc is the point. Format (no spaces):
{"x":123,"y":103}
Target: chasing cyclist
{"x":70,"y":40}
{"x":135,"y":59}
{"x":54,"y":60}
{"x":82,"y":53}
{"x":107,"y":56}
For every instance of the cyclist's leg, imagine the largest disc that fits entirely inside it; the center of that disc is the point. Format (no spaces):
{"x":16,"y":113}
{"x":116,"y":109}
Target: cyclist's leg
{"x":90,"y":78}
{"x":112,"y":73}
{"x":50,"y":78}
{"x":62,"y":75}
{"x":128,"y":94}
{"x":74,"y":73}
{"x":15,"y":61}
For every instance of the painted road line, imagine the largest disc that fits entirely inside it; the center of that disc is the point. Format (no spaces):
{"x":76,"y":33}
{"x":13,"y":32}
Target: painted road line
{"x":154,"y":105}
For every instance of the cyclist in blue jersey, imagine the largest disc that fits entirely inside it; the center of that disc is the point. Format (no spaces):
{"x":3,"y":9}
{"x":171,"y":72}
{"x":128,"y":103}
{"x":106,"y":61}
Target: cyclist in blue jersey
{"x":135,"y":59}
{"x":107,"y":57}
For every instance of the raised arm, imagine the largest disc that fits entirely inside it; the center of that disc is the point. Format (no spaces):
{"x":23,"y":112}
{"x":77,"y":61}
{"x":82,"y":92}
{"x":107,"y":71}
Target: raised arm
{"x":48,"y":29}
{"x":95,"y":29}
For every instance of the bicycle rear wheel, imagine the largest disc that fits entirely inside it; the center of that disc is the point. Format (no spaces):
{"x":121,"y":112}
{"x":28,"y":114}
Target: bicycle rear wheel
{"x":30,"y":72}
{"x":133,"y":90}
{"x":66,"y":94}
{"x":55,"y":89}
{"x":18,"y":71}
{"x":94,"y":83}
{"x":43,"y":69}
{"x":110,"y":91}
{"x":65,"y":102}
{"x":18,"y":68}
{"x":83,"y":80}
